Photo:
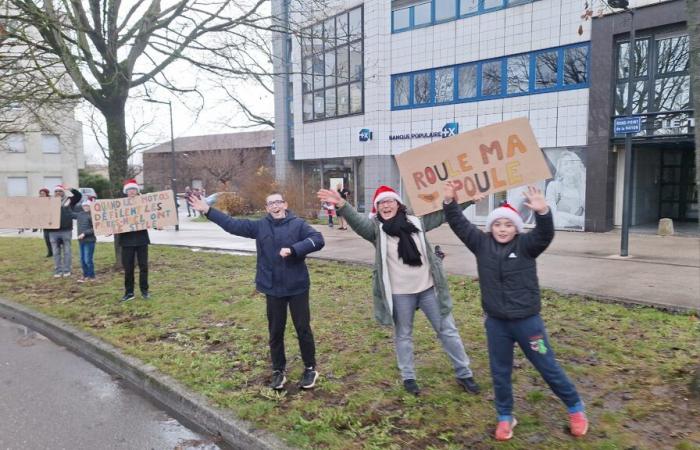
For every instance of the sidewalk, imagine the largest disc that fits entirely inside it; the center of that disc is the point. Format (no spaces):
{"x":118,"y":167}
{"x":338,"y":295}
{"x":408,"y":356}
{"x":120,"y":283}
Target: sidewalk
{"x":661,"y":271}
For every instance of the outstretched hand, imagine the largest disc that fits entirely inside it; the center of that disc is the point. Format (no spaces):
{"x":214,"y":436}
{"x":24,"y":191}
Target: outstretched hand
{"x":535,"y":200}
{"x":450,"y":193}
{"x":198,"y":203}
{"x":330,"y":196}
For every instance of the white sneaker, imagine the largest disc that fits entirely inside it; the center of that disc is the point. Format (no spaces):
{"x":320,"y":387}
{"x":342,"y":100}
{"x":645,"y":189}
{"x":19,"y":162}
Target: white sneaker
{"x":66,"y":274}
{"x":57,"y":275}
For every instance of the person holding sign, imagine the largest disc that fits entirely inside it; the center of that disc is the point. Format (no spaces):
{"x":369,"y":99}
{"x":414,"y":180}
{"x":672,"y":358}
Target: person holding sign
{"x":61,"y":238}
{"x":282,"y":241}
{"x":510,"y":297}
{"x":134,"y":246}
{"x":408,"y":276}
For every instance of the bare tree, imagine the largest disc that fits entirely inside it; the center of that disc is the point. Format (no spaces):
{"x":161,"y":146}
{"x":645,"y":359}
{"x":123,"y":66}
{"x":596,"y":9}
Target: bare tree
{"x":107,"y":49}
{"x":231,"y":168}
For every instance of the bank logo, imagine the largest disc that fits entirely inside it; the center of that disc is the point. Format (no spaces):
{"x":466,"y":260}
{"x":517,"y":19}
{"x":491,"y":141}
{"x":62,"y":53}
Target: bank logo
{"x":450,"y":129}
{"x":365,"y":135}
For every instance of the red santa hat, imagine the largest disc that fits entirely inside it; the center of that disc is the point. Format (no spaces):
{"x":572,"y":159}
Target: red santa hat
{"x":505,"y":211}
{"x":383,"y":193}
{"x":59,"y":187}
{"x":131,"y":184}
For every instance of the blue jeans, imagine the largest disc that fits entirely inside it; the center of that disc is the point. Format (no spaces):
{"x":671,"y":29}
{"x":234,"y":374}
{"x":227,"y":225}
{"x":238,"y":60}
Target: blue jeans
{"x":531,"y":336}
{"x":87,"y":250}
{"x":405,"y":306}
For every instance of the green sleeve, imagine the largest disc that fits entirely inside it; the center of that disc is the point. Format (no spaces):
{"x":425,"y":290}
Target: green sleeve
{"x":360,"y":223}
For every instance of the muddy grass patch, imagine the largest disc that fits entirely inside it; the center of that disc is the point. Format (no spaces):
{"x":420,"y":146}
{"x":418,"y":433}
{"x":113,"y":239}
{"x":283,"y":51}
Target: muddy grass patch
{"x":206,"y":327}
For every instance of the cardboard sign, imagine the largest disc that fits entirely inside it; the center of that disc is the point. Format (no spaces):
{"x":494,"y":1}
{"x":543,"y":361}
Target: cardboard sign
{"x":121,"y":215}
{"x":490,"y":159}
{"x":30,"y":212}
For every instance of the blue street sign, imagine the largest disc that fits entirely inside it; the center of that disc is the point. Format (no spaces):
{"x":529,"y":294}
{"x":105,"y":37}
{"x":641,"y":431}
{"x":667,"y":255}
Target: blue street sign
{"x":628,"y":125}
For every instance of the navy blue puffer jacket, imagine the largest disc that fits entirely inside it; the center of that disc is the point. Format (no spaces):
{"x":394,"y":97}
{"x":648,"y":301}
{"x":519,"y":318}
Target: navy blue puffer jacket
{"x":276,"y":276}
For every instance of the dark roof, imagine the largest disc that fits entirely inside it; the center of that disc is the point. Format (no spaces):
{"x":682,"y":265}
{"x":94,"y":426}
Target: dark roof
{"x":228,"y":141}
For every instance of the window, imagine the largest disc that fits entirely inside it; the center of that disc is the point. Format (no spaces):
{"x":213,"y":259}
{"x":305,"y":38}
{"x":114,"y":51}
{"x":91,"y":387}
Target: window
{"x":548,"y":70}
{"x":641,"y":59}
{"x":17,"y":187}
{"x":672,"y":55}
{"x":50,"y":143}
{"x":421,"y":88}
{"x":445,"y":9}
{"x":444,"y":85}
{"x":518,"y":81}
{"x":575,"y":65}
{"x":491,"y":78}
{"x":640,"y":99}
{"x":401,"y":90}
{"x":51,"y":182}
{"x":401,"y":18}
{"x":672,"y":93}
{"x":468,"y":7}
{"x":467,"y":82}
{"x":333,"y":67}
{"x":491,"y":4}
{"x":15,"y":142}
{"x":546,"y":66}
{"x":422,"y":14}
{"x":408,"y":14}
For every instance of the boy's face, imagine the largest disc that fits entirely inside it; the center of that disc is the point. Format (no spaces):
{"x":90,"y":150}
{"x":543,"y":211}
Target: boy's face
{"x":276,"y":206}
{"x":131,"y":193}
{"x":86,"y":208}
{"x":503,"y":231}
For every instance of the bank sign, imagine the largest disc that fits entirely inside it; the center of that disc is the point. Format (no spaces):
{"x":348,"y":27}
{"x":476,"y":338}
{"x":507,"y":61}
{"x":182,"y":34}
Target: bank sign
{"x":450,"y":129}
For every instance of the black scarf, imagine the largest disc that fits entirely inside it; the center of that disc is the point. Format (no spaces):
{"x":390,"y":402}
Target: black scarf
{"x":399,"y":226}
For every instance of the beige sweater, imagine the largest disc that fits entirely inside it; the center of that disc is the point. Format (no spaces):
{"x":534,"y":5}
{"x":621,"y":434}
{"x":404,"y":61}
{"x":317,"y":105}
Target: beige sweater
{"x":407,"y":279}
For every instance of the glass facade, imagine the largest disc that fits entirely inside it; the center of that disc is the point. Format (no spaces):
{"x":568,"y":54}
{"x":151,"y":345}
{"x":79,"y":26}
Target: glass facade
{"x":333,"y":67}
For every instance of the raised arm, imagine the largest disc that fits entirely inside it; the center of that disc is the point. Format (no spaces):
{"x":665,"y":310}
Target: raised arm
{"x":239,"y":227}
{"x":466,"y":231}
{"x":537,"y":240}
{"x":361,"y":224}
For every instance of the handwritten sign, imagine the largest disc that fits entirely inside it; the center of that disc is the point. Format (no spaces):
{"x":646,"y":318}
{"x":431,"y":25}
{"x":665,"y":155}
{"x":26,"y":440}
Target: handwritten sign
{"x":30,"y":212}
{"x":486,"y":160}
{"x":121,"y":215}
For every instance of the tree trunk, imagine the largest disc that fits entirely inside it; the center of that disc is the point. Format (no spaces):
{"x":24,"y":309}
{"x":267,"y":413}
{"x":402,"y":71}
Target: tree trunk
{"x":694,"y":36}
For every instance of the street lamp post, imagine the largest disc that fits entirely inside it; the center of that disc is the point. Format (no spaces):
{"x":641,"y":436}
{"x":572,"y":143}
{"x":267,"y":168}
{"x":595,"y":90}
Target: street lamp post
{"x":627,"y":190}
{"x":173,"y":179}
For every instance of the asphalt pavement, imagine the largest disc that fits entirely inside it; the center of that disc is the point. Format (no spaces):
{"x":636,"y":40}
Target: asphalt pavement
{"x":53,"y":399}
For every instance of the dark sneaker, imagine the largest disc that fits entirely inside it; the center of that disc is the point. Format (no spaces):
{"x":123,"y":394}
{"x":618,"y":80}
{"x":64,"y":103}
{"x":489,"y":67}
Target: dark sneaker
{"x":469,"y":385}
{"x":308,"y":379}
{"x":278,"y":380}
{"x":411,"y":387}
{"x":145,"y":295}
{"x":127,"y":297}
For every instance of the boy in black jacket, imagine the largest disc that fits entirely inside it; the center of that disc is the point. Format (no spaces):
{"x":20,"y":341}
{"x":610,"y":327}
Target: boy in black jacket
{"x":134,"y":246}
{"x":510,"y":297}
{"x":282,"y":241}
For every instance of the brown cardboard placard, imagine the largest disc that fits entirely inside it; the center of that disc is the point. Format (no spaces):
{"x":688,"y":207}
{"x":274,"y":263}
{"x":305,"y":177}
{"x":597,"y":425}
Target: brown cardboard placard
{"x":490,"y":159}
{"x":30,"y":212}
{"x":121,"y":215}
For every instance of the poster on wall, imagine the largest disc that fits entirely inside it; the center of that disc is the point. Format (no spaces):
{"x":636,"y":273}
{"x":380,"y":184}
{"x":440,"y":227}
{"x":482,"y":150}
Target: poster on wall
{"x":30,"y":212}
{"x":565,"y":192}
{"x":491,"y":159}
{"x":120,"y":215}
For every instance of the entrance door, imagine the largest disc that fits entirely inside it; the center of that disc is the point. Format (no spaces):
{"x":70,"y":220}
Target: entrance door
{"x":678,"y":191}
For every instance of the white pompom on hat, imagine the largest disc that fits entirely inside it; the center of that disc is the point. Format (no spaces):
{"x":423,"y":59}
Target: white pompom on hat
{"x":131,"y":184}
{"x":505,"y":211}
{"x":382,"y":193}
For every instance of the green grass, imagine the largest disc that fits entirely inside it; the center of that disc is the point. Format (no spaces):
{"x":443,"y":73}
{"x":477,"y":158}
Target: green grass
{"x":206,"y":328}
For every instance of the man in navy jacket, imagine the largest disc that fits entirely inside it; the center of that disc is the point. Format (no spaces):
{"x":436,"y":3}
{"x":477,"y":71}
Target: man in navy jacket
{"x":282,"y":241}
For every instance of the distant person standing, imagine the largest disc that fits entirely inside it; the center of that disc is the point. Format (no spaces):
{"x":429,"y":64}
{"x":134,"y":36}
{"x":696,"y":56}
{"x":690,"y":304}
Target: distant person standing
{"x":44,"y":192}
{"x":86,"y":240}
{"x":190,"y":210}
{"x":61,"y":238}
{"x":134,"y":246}
{"x":344,"y":193}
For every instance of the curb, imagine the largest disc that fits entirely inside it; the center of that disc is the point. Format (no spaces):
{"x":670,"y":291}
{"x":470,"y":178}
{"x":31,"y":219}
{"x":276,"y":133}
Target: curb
{"x":588,"y":295}
{"x":192,"y":409}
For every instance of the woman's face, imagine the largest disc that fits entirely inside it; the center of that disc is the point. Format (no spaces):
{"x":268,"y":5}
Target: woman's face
{"x":387,"y":208}
{"x":43,"y":194}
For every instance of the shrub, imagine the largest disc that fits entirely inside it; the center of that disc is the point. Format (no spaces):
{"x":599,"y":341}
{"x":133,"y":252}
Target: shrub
{"x":232,"y":203}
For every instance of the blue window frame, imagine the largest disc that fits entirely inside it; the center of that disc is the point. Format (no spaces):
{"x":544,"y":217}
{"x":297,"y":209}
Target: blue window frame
{"x":547,"y":70}
{"x":431,"y":12}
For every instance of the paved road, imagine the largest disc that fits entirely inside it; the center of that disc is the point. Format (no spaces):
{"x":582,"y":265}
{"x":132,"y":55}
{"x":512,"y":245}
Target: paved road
{"x":52,"y":399}
{"x":661,"y":270}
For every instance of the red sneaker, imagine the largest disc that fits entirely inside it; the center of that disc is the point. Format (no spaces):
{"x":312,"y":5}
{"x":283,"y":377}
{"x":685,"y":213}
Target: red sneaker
{"x":578,"y":424}
{"x":504,"y":430}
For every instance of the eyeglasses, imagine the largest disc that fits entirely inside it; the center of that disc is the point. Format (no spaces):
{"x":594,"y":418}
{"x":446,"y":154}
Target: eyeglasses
{"x":386,"y":201}
{"x":275,"y":202}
